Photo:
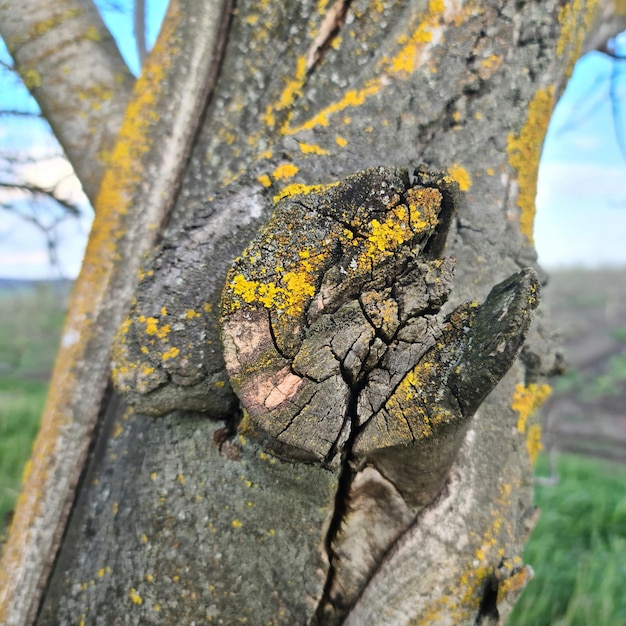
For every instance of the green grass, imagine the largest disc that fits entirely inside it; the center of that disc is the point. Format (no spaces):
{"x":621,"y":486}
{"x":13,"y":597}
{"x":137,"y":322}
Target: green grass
{"x":30,"y":327}
{"x":578,"y":549}
{"x":21,"y":403}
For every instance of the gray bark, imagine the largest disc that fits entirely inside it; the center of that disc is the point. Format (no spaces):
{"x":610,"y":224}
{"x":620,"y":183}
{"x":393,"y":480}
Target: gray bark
{"x":156,"y":141}
{"x":174,"y":519}
{"x":610,"y":20}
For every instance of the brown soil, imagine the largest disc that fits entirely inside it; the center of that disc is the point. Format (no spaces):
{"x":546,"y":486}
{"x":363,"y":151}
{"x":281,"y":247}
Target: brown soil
{"x":587,"y":412}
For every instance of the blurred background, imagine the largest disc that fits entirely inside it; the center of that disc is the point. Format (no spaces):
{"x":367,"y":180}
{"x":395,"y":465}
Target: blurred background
{"x":578,"y":549}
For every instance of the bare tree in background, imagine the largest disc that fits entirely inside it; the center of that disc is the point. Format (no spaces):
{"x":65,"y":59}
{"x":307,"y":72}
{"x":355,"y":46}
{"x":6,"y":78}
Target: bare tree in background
{"x":44,"y":206}
{"x":47,"y":206}
{"x":398,"y":492}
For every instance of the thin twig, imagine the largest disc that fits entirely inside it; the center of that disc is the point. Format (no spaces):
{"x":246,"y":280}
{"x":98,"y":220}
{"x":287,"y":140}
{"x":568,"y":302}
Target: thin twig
{"x":139,"y":24}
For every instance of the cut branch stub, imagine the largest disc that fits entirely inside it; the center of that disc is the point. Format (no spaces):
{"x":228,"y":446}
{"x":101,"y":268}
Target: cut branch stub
{"x":414,"y":428}
{"x":341,"y":275}
{"x":411,"y":433}
{"x":334,"y":345}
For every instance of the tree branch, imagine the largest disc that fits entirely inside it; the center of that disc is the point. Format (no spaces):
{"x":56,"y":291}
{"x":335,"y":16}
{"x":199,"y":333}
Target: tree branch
{"x":139,"y":26}
{"x":70,"y":63}
{"x":610,"y":21}
{"x":48,"y":192}
{"x":17,"y":113}
{"x":137,"y":194}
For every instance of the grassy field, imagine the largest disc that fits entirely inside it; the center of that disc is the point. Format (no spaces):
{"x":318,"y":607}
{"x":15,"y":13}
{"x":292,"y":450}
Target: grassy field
{"x":29,"y":336}
{"x":578,"y":549}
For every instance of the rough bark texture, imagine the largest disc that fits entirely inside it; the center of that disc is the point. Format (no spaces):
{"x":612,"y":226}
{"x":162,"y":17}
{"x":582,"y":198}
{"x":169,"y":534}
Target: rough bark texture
{"x":336,"y":352}
{"x":136,"y":196}
{"x":84,"y":102}
{"x":165,"y":525}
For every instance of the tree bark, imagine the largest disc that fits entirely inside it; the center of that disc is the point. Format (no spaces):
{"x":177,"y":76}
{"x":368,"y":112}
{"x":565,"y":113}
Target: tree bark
{"x":199,"y":515}
{"x":136,"y":196}
{"x":610,"y":21}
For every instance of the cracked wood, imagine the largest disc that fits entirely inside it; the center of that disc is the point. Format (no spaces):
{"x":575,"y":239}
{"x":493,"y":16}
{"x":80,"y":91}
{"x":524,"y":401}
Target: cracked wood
{"x":333,"y":343}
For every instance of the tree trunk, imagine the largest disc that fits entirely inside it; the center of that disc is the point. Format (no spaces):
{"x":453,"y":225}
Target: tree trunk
{"x":399,"y":489}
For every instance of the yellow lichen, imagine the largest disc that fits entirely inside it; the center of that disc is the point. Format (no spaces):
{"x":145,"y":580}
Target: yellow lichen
{"x":408,"y":402}
{"x":352,"y":98}
{"x":93,"y":34}
{"x":293,"y":89}
{"x":388,"y":235}
{"x":514,"y":583}
{"x":524,"y":151}
{"x":307,"y":148}
{"x":401,"y":225}
{"x":163,"y":331}
{"x":341,"y":142}
{"x":526,"y":400}
{"x":135,"y":598}
{"x":170,"y":354}
{"x":461,"y":175}
{"x":289,"y":94}
{"x":575,"y":18}
{"x":265,"y":180}
{"x":289,"y":170}
{"x":245,"y":289}
{"x":31,"y":78}
{"x":491,"y":61}
{"x":297,"y":189}
{"x":436,"y":6}
{"x":406,"y":60}
{"x":533,"y":442}
{"x":460,"y":598}
{"x":27,"y":470}
{"x":236,"y":523}
{"x":489,"y":66}
{"x":288,"y":297}
{"x":41,"y":27}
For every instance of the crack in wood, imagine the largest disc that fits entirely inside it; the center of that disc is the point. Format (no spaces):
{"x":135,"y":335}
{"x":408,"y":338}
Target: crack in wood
{"x":396,"y":397}
{"x":334,"y":342}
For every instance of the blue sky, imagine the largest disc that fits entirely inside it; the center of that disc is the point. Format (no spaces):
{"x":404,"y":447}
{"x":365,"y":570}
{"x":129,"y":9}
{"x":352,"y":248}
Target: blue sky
{"x":581,"y":200}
